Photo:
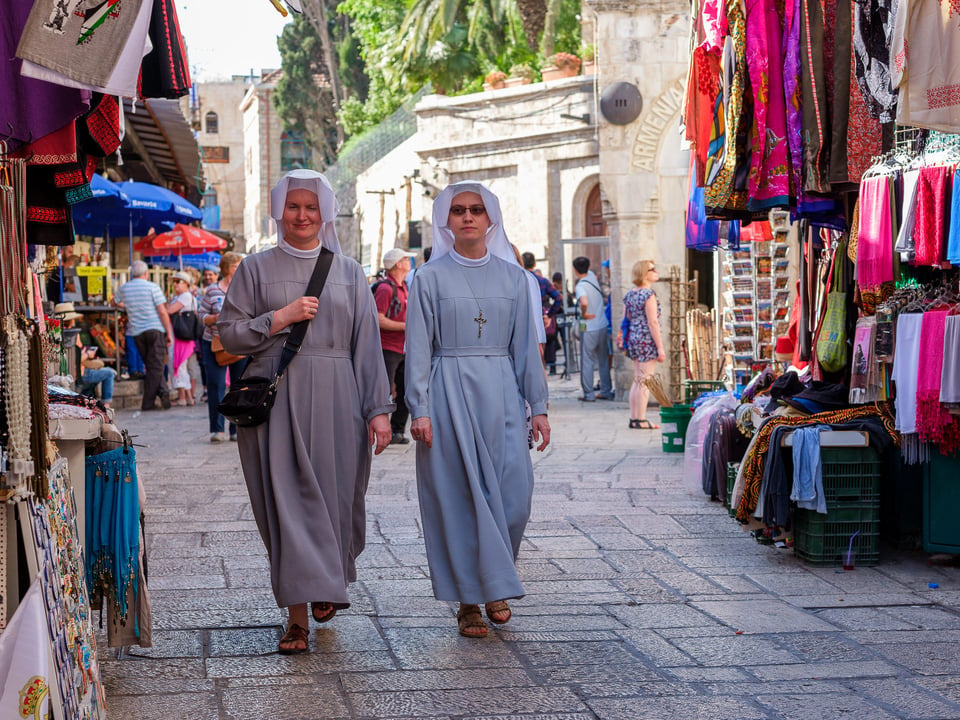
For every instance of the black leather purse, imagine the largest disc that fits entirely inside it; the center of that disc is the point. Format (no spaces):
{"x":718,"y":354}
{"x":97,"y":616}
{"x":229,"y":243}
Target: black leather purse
{"x":250,"y":399}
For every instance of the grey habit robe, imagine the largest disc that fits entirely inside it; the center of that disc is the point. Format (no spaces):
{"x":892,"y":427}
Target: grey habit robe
{"x":307,"y":467}
{"x":476,"y":483}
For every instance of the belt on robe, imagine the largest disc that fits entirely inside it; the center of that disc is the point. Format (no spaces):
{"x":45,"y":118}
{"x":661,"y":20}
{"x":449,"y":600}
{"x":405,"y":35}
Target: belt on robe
{"x":471,"y":352}
{"x":314,"y":351}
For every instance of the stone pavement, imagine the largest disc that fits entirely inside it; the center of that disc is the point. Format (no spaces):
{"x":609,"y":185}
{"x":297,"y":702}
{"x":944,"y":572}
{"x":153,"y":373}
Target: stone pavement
{"x":643,"y":602}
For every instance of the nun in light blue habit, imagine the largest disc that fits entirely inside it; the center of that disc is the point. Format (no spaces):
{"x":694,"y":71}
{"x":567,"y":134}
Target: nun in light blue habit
{"x":472,"y":359}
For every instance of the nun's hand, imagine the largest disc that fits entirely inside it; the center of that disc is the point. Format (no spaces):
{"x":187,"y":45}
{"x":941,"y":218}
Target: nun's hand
{"x":541,"y":431}
{"x":378,"y":430}
{"x":303,"y":308}
{"x":422,"y":431}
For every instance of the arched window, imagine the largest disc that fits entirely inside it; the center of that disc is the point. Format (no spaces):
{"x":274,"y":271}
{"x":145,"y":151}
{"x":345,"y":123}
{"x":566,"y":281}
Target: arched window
{"x":212,"y":123}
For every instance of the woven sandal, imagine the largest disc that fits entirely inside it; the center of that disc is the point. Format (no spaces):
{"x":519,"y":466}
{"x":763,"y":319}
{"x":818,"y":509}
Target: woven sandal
{"x":322,"y":611}
{"x":470,"y":622}
{"x":293,"y":638}
{"x":498,"y":611}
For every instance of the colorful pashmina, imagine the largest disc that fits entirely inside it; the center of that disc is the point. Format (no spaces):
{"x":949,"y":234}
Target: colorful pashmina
{"x":950,"y":375}
{"x":793,"y":92}
{"x":874,"y":242}
{"x":934,"y":423}
{"x":953,"y":237}
{"x":769,"y":184}
{"x":906,"y":367}
{"x":932,"y":207}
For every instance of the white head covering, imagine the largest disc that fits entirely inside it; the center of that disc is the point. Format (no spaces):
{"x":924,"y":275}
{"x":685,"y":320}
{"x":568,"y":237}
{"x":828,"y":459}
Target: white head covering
{"x":497,"y":242}
{"x":315,"y":183}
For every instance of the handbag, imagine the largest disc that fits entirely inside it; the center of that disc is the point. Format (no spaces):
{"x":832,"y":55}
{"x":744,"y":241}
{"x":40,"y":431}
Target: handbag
{"x":222,"y":357}
{"x":832,"y":337}
{"x":249,"y":400}
{"x":186,"y":325}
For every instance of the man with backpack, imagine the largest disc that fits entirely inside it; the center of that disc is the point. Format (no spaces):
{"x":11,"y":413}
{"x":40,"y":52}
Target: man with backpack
{"x":390,"y":294}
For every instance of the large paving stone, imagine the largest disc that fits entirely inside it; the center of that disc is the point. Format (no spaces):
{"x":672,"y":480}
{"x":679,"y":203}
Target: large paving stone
{"x":763,"y":616}
{"x":436,"y":680}
{"x":466,"y":702}
{"x":827,"y":705}
{"x":905,"y":698}
{"x":441,"y":649}
{"x":825,"y":670}
{"x":670,"y":708}
{"x":194,"y":705}
{"x":732,"y":650}
{"x":286,"y":702}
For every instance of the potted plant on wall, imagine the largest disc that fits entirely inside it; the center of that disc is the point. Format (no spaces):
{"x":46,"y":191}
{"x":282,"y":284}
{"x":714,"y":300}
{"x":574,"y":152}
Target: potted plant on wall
{"x":588,"y":54}
{"x":560,"y":65}
{"x":494,"y":80}
{"x":521,"y":74}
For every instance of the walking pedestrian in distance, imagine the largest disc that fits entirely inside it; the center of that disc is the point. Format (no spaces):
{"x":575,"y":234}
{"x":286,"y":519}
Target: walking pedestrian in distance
{"x":391,"y":298}
{"x":642,"y":343}
{"x":308,"y":465}
{"x":472,"y":360}
{"x":594,"y":333}
{"x":216,"y":374}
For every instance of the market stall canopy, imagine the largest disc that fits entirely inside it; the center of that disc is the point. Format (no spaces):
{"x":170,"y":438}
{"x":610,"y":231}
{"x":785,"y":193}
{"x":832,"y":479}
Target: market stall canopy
{"x":199,"y":261}
{"x":182,"y":240}
{"x":147,"y":206}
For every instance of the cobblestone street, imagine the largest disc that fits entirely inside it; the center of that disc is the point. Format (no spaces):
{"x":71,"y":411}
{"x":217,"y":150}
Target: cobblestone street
{"x":643,"y":602}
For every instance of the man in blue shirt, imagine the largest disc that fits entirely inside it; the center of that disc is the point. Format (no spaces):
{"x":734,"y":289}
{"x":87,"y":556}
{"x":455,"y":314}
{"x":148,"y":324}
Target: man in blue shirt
{"x":149,"y":324}
{"x":594,"y":350}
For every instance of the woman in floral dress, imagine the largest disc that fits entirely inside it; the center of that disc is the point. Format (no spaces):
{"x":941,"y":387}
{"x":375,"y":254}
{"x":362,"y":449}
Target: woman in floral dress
{"x":643,"y":342}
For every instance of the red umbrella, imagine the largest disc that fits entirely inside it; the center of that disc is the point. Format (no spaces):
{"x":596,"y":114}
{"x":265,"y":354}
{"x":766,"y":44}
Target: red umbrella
{"x":182,"y":240}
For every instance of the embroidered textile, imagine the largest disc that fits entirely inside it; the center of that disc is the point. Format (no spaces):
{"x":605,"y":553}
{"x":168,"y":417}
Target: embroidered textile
{"x":872,"y":29}
{"x":164,"y":72}
{"x":953,"y":236}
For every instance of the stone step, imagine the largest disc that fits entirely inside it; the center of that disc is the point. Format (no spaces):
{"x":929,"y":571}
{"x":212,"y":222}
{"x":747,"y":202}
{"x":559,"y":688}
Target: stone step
{"x":126,"y":388}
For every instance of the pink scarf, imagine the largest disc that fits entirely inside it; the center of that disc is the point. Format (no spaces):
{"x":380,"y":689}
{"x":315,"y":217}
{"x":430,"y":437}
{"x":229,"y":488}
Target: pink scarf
{"x":934,"y":423}
{"x":183,"y":349}
{"x":929,"y":231}
{"x":874,"y":236}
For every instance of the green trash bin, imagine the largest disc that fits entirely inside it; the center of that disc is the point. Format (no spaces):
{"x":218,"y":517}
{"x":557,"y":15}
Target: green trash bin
{"x":673,"y":427}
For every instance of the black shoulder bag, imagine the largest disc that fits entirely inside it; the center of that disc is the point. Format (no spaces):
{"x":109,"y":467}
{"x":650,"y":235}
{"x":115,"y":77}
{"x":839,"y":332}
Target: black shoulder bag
{"x":249,"y":400}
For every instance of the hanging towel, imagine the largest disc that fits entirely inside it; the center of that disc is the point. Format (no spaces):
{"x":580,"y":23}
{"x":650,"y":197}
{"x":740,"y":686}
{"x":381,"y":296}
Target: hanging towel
{"x":953,"y":237}
{"x":808,"y":470}
{"x":930,"y":231}
{"x":950,"y":375}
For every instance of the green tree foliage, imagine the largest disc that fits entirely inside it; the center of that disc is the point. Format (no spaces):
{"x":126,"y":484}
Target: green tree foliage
{"x":303,"y":98}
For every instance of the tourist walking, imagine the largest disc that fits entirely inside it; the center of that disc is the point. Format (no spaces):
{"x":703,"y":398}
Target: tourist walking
{"x":391,"y":298}
{"x":594,"y":333}
{"x":642,"y":342}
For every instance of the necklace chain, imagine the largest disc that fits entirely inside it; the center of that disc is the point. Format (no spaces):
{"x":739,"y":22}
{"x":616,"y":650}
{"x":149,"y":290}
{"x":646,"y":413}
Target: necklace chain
{"x":480,"y":320}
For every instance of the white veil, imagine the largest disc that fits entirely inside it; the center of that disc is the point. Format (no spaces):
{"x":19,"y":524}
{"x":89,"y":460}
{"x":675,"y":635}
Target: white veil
{"x":315,"y":183}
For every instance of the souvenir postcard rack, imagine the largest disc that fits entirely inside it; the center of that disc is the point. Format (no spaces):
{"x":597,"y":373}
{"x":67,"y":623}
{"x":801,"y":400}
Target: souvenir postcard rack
{"x":756,"y":303}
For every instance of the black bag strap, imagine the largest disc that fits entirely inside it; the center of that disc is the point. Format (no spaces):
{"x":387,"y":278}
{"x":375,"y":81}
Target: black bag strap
{"x":314,"y":288}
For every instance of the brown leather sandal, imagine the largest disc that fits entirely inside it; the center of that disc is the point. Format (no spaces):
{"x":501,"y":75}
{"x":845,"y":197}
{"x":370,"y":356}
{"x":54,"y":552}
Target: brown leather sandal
{"x":498,"y":611}
{"x":470,"y":621}
{"x":295,"y":638}
{"x":322,"y":611}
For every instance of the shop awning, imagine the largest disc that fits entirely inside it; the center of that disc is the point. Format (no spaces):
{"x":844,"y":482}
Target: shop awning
{"x":159,"y":147}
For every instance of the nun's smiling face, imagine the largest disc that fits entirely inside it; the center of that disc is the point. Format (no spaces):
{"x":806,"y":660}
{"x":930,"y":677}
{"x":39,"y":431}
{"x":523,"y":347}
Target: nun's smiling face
{"x":301,"y":219}
{"x":468,"y":219}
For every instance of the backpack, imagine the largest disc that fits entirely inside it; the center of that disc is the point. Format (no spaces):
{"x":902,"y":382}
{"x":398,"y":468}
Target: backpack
{"x":394,"y":306}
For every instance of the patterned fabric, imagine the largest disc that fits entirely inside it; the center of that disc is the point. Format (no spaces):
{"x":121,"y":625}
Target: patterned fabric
{"x":872,"y":26}
{"x":722,"y":192}
{"x":755,"y":460}
{"x":769,"y":184}
{"x":640,"y":344}
{"x":815,"y":105}
{"x":793,"y":92}
{"x":164,"y":72}
{"x":703,"y":89}
{"x":933,"y":205}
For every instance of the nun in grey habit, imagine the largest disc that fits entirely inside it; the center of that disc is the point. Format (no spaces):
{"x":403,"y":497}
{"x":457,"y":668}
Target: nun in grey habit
{"x":472,"y":359}
{"x":307,"y":467}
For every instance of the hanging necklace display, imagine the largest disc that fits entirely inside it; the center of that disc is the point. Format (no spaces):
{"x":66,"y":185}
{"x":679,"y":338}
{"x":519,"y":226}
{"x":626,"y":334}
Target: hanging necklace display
{"x":17,"y":396}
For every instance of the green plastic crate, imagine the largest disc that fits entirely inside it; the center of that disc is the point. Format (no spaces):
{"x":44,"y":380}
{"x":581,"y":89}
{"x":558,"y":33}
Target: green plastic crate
{"x":850,"y":474}
{"x":692,"y":389}
{"x":824,"y":539}
{"x":673,"y":428}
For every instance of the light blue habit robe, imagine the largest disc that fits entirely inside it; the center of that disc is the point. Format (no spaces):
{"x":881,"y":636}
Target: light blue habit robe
{"x":476,"y":483}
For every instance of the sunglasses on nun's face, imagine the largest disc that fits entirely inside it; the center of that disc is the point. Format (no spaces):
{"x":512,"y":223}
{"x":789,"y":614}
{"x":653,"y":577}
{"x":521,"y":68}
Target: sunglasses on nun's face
{"x":475,"y":210}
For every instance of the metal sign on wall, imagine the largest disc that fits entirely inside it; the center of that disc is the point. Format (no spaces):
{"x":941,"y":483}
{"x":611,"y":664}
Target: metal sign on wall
{"x":621,"y":103}
{"x":215,"y":154}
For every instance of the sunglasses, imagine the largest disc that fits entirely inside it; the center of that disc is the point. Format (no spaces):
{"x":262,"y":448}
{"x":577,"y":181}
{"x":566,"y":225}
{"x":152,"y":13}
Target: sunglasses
{"x":475,"y":210}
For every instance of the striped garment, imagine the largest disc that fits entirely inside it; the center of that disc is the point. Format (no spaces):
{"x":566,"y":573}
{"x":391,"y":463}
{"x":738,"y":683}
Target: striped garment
{"x":140,"y":299}
{"x":210,"y":304}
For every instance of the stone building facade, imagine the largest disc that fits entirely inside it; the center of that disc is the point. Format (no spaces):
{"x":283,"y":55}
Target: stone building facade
{"x":262,"y":131}
{"x":218,"y":123}
{"x":570,"y":181}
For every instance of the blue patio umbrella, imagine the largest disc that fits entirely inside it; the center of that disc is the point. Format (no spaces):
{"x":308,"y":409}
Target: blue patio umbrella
{"x":146,"y":206}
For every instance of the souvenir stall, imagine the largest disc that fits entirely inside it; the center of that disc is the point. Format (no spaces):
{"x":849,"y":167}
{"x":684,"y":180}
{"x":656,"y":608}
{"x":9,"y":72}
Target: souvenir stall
{"x":71,"y":532}
{"x":860,"y":149}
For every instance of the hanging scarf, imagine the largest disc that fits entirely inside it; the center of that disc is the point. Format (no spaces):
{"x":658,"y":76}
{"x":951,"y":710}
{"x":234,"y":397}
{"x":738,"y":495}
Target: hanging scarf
{"x":950,"y":375}
{"x":953,"y":236}
{"x":164,"y":72}
{"x":906,"y":369}
{"x":932,"y":208}
{"x":113,"y":526}
{"x":934,"y":423}
{"x":874,"y":242}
